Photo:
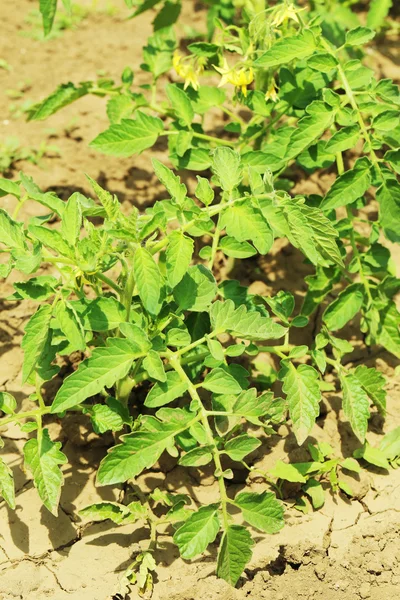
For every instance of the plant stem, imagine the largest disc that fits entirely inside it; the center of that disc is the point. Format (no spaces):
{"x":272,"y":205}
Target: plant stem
{"x":174,"y":362}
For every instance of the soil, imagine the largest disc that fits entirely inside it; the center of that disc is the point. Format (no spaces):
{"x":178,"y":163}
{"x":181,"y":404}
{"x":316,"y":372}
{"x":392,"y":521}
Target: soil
{"x":349,"y":549}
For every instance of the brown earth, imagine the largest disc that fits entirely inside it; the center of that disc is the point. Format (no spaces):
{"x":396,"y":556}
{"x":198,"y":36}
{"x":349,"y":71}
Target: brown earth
{"x":347,"y":550}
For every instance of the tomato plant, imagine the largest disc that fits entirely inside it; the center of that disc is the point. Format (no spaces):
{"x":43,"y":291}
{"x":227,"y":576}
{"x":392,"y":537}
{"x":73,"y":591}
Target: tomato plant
{"x":169,"y":348}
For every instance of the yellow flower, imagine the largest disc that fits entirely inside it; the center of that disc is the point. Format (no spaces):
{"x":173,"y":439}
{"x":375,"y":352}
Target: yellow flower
{"x":239,"y":76}
{"x":285,"y":12}
{"x":189,"y":68}
{"x":272,"y":92}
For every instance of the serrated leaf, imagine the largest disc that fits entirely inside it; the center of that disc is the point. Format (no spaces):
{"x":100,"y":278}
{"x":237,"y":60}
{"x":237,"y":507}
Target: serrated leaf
{"x":105,"y":418}
{"x":48,"y":199}
{"x":204,"y":191}
{"x":242,"y":445}
{"x":377,"y":13}
{"x":389,"y":329}
{"x":43,"y":459}
{"x":287,"y":49}
{"x":231,"y":247}
{"x":310,"y":128}
{"x":220,"y":381}
{"x":252,"y":407}
{"x":179,"y":255}
{"x":48,"y":10}
{"x":196,"y":290}
{"x":52,"y":239}
{"x":118,"y":108}
{"x":9,"y":187}
{"x":373,"y":382}
{"x":388,"y":196}
{"x":164,"y":393}
{"x":345,"y":307}
{"x":34,"y":340}
{"x":243,"y":222}
{"x":198,"y":531}
{"x":355,"y":405}
{"x":148,"y":279}
{"x":322,"y":61}
{"x":287,"y":472}
{"x":170,"y":181}
{"x":197,"y":457}
{"x":359,"y":36}
{"x":227,"y":168}
{"x":103,"y":511}
{"x":100,"y":314}
{"x":7,"y":489}
{"x":64,"y":95}
{"x":69,"y":325}
{"x":8,"y":403}
{"x":138,"y":451}
{"x":131,"y":136}
{"x":11,"y":233}
{"x":262,"y":511}
{"x":344,"y":139}
{"x":350,"y":186}
{"x":249,"y":325}
{"x":154,"y":366}
{"x":234,"y":553}
{"x":108,"y":201}
{"x":106,"y":366}
{"x":181,"y":104}
{"x":72,"y":220}
{"x":303,"y":393}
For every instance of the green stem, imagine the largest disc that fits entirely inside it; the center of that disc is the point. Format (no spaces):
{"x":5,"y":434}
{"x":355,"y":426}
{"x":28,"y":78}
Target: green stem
{"x":109,"y":282}
{"x":174,"y":362}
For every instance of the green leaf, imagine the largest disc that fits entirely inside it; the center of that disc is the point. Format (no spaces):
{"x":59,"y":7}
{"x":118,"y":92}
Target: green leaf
{"x":355,"y":405}
{"x":48,"y":10}
{"x":344,"y":139}
{"x":350,"y":465}
{"x":179,"y":254}
{"x":242,"y":445}
{"x":167,"y":16}
{"x":100,"y":314}
{"x":301,"y":385}
{"x":172,"y":182}
{"x":227,"y":168}
{"x":9,"y":187}
{"x":8,"y":403}
{"x":64,"y":95}
{"x":231,"y":247}
{"x":359,"y":36}
{"x":262,"y":511}
{"x":249,"y":325}
{"x":345,"y":307}
{"x":70,"y":326}
{"x":316,"y":492}
{"x":198,"y":531}
{"x":243,"y":222}
{"x":11,"y":233}
{"x":204,"y":191}
{"x":372,"y":455}
{"x":197,"y":457}
{"x":131,"y":136}
{"x":350,"y":186}
{"x":389,"y":329}
{"x":106,"y":366}
{"x":234,"y":553}
{"x":154,"y":366}
{"x":252,"y":407}
{"x":388,"y":196}
{"x":322,"y":61}
{"x":390,"y":445}
{"x":118,"y":108}
{"x":34,"y":340}
{"x":52,"y":239}
{"x":109,"y":202}
{"x":7,"y":484}
{"x":72,"y":220}
{"x":310,"y":128}
{"x":48,"y":199}
{"x":220,"y":381}
{"x":387,"y":120}
{"x":287,"y":472}
{"x":43,"y":459}
{"x":103,"y":511}
{"x":105,"y":417}
{"x":287,"y":49}
{"x":196,"y":290}
{"x":378,"y":11}
{"x":138,"y":451}
{"x":148,"y":279}
{"x":373,"y":382}
{"x":181,"y":104}
{"x":164,"y":393}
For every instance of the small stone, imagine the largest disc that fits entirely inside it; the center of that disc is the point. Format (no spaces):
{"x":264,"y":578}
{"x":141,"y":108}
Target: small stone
{"x":374,"y":567}
{"x":320,"y":571}
{"x":365,"y":590}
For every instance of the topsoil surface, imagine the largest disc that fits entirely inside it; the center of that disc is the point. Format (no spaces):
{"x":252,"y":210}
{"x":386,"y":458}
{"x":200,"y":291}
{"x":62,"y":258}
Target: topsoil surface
{"x":347,"y":550}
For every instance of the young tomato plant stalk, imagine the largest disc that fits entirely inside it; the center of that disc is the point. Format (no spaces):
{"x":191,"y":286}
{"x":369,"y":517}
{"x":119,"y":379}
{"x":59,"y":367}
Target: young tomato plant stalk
{"x":149,"y":316}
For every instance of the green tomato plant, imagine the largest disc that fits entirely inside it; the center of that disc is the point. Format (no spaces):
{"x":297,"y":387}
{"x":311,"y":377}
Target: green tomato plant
{"x":169,"y":351}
